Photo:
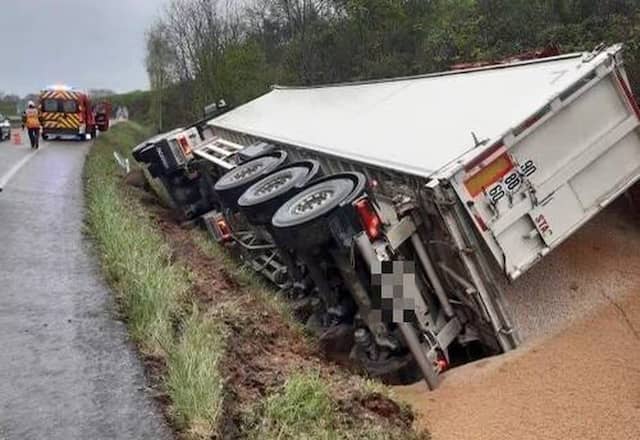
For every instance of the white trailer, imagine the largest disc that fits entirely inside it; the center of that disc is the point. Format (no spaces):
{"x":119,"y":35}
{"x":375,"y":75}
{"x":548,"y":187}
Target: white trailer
{"x":475,"y":172}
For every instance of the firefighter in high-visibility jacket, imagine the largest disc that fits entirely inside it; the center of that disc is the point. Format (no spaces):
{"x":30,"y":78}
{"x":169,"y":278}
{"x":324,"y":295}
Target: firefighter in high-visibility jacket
{"x":31,"y":119}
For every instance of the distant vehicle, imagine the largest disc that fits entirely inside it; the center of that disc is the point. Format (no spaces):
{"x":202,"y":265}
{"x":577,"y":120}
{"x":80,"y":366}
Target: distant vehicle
{"x":102,"y":112}
{"x":122,"y":113}
{"x":5,"y":128}
{"x":68,"y":112}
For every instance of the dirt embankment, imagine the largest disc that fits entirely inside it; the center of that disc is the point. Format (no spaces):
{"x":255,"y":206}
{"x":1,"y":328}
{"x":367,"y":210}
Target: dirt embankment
{"x":263,"y":348}
{"x":578,"y":375}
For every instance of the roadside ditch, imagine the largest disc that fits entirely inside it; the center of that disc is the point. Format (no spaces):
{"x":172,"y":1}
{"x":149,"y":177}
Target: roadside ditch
{"x":224,"y":356}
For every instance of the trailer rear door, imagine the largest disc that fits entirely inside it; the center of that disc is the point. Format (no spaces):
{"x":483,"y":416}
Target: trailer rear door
{"x":532,"y":189}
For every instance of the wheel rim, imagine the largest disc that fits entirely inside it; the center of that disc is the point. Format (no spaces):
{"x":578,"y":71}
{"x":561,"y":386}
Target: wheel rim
{"x":274,"y":184}
{"x":312,"y":202}
{"x":315,"y":202}
{"x":247,"y":172}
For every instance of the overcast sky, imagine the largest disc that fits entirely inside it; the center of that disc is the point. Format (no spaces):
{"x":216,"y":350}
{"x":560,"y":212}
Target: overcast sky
{"x":84,"y":43}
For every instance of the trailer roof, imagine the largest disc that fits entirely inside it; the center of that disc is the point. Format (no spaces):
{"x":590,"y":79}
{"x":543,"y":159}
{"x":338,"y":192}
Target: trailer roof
{"x":415,"y":125}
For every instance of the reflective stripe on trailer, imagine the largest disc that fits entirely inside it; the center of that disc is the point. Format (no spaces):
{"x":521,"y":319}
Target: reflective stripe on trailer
{"x":480,"y":181}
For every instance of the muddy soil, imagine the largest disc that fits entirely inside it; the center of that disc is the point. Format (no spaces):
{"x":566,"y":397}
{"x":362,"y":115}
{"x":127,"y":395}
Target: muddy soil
{"x":263,"y":347}
{"x":578,"y":376}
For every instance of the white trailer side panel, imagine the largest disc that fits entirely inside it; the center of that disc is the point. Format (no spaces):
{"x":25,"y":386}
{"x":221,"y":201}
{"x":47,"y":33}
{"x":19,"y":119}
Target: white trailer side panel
{"x":413,"y":125}
{"x":541,"y":184}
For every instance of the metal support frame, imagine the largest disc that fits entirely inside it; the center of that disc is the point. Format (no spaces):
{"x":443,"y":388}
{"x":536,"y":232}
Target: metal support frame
{"x":409,"y":332}
{"x":250,"y":246}
{"x":489,"y":295}
{"x":319,"y":279}
{"x":361,"y":297}
{"x":217,"y":151}
{"x":406,"y":230}
{"x":411,"y":338}
{"x":432,"y":275}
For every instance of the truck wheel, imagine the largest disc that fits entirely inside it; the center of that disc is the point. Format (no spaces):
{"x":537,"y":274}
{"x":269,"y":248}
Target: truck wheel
{"x":264,"y":197}
{"x":302,"y":222}
{"x":312,"y":203}
{"x":231,"y":186}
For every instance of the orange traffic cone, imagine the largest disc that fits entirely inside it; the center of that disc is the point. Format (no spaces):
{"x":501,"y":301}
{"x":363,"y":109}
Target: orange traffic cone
{"x":17,"y":137}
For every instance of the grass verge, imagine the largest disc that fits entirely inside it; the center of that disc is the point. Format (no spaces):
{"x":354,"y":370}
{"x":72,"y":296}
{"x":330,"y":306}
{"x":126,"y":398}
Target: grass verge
{"x":154,"y":292}
{"x":194,"y":381}
{"x":305,"y":408}
{"x":135,"y":259}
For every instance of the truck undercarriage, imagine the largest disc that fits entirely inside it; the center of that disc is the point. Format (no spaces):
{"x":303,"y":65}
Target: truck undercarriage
{"x":395,"y":266}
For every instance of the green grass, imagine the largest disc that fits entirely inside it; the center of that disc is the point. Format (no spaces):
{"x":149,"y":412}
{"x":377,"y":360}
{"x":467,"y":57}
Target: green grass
{"x":304,"y":409}
{"x":134,"y":257}
{"x":7,"y":108}
{"x":137,"y":102}
{"x":153,"y":291}
{"x":194,"y":382}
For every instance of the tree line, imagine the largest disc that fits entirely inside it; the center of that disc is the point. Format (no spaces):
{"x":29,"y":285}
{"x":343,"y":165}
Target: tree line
{"x":199,"y":51}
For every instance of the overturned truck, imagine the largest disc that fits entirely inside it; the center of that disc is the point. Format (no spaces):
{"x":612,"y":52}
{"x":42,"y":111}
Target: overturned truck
{"x":393,"y":205}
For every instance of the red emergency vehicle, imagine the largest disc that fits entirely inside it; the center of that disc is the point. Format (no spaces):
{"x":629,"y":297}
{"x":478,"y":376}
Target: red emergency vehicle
{"x":65,"y":111}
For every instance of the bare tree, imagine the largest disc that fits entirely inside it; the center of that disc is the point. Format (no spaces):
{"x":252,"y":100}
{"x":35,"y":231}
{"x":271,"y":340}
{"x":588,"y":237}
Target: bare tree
{"x":159,"y":62}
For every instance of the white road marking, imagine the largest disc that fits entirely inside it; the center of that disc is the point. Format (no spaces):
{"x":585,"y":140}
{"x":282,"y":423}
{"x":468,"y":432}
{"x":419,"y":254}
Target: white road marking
{"x":14,"y":169}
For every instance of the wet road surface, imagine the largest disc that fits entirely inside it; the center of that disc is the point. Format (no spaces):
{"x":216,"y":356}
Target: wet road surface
{"x":67,"y":369}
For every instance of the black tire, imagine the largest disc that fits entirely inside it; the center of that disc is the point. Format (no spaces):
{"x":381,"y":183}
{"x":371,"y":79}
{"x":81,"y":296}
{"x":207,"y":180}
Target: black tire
{"x":312,"y":203}
{"x":45,"y":137}
{"x":231,"y":186}
{"x":334,"y":218}
{"x":301,"y":223}
{"x":262,"y":199}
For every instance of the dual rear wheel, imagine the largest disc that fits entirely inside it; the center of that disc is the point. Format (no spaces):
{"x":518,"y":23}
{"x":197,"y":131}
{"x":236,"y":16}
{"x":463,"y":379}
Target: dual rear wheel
{"x":319,"y":212}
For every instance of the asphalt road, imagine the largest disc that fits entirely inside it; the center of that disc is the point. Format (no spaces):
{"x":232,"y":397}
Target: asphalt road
{"x":67,"y":369}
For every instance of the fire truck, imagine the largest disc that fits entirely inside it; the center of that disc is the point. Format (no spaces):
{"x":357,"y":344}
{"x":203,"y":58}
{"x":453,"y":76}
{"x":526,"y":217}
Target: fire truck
{"x":66,"y":111}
